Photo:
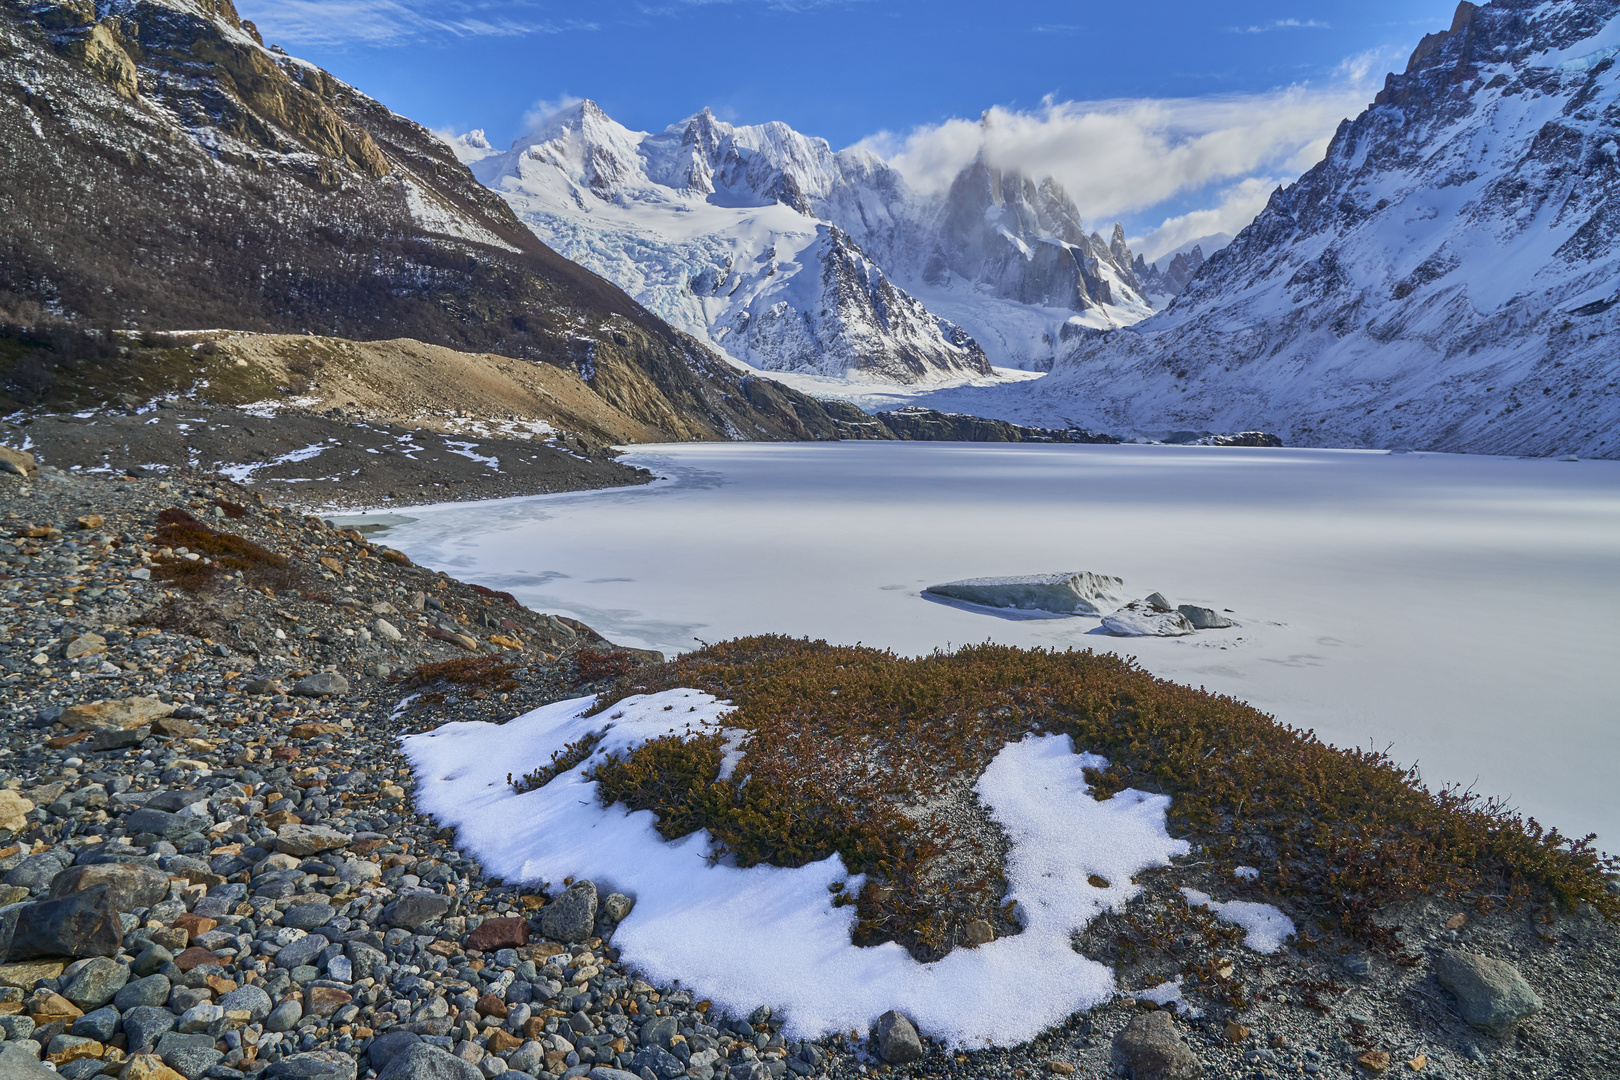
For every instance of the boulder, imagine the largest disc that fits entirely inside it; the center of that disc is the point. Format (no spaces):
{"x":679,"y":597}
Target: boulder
{"x":249,"y":999}
{"x":386,"y":1047}
{"x":493,"y":934}
{"x":313,"y":1065}
{"x":1491,"y":994}
{"x":301,"y":952}
{"x":18,"y":1064}
{"x":1150,"y":1048}
{"x":413,"y":909}
{"x":17,"y":462}
{"x":1145,"y":618}
{"x":305,"y":840}
{"x":152,"y":990}
{"x":897,"y":1039}
{"x":147,"y":1067}
{"x":131,"y":884}
{"x":84,"y":924}
{"x":13,"y":811}
{"x":85,"y":645}
{"x":144,"y":1025}
{"x":572,"y":916}
{"x":321,"y":684}
{"x":35,"y":872}
{"x":1068,"y":593}
{"x":189,"y":1055}
{"x":1203,"y":618}
{"x":308,"y":916}
{"x":162,"y":823}
{"x":424,"y":1062}
{"x":96,"y":983}
{"x":130,"y":712}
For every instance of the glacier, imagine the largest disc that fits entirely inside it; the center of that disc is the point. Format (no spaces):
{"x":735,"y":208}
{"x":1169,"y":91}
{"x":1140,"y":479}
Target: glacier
{"x":791,"y":258}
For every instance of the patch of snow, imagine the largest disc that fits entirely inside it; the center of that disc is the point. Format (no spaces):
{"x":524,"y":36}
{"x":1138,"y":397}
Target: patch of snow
{"x":1246,"y":873}
{"x":765,"y":934}
{"x":1167,"y":992}
{"x":1265,"y":926}
{"x":243,"y":474}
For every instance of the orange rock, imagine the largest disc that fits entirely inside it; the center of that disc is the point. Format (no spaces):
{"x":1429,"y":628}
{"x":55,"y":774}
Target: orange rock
{"x":324,"y":1000}
{"x":502,"y":1041}
{"x":56,"y":1007}
{"x":1457,"y":921}
{"x":1418,"y":1063}
{"x":90,"y":1048}
{"x":490,"y":1005}
{"x":1061,"y":1068}
{"x":1235,"y":1032}
{"x":1374,"y":1061}
{"x":194,"y":924}
{"x":195,"y":956}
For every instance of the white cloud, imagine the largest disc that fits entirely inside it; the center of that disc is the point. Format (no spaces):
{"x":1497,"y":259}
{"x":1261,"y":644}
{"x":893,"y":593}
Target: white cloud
{"x":1282,"y":24}
{"x":546,"y":108}
{"x":1238,"y":205}
{"x":1125,"y":157}
{"x":390,"y":22}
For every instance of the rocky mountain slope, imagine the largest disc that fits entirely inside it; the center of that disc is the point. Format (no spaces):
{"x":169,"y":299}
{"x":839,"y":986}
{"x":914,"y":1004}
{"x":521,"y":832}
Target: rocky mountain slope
{"x":164,"y":170}
{"x":1445,"y":278}
{"x":791,"y":257}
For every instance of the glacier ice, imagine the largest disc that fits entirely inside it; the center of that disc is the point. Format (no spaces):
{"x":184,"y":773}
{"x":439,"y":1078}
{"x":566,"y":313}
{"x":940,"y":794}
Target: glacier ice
{"x":1068,"y":593}
{"x":1150,"y":617}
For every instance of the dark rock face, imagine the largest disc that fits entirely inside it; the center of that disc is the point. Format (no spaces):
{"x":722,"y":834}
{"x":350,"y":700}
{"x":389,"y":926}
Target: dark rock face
{"x":84,"y":924}
{"x":915,"y":424}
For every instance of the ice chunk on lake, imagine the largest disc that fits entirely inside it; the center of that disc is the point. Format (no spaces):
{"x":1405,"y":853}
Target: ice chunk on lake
{"x":1203,"y":618}
{"x":1144,"y":618}
{"x":1070,"y":593}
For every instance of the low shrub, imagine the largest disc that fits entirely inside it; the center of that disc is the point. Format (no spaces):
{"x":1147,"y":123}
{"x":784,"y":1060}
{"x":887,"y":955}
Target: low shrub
{"x":478,"y":671}
{"x":219,"y":551}
{"x":850,"y":746}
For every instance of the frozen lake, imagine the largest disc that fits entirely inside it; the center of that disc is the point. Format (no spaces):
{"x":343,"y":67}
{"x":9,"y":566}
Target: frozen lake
{"x":1465,"y":610}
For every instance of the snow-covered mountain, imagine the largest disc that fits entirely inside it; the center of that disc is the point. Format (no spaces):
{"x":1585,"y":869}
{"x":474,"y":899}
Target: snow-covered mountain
{"x":1448,"y":277}
{"x":1164,"y":278}
{"x":790,"y":257}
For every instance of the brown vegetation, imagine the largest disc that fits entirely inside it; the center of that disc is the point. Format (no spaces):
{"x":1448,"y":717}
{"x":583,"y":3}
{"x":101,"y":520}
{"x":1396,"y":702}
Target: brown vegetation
{"x":850,"y":745}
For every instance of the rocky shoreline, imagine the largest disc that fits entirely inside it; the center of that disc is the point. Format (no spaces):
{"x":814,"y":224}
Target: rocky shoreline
{"x":210,"y":865}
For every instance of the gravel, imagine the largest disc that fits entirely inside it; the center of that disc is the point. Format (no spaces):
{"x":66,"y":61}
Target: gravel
{"x":249,"y":863}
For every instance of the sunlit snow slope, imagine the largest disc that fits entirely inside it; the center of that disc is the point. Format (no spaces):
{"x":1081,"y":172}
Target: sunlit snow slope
{"x":1448,"y":277}
{"x":793,"y":258}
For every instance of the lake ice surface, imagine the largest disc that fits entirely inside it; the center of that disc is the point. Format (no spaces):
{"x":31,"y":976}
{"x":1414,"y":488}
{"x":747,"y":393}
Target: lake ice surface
{"x":1463,"y":610}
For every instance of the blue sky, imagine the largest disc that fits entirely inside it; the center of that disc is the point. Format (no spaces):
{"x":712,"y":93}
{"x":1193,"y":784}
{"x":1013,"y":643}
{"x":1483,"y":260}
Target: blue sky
{"x":895,"y":73}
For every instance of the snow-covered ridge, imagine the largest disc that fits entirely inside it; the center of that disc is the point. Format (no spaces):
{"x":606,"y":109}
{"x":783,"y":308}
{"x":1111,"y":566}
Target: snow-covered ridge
{"x":790,"y":257}
{"x":1447,"y":277}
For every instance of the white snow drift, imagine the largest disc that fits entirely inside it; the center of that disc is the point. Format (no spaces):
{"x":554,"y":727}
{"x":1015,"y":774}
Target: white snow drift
{"x":767,"y":935}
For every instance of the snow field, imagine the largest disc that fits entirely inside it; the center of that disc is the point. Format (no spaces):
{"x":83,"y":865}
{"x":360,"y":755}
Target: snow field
{"x":768,"y":935}
{"x":1463,"y":610}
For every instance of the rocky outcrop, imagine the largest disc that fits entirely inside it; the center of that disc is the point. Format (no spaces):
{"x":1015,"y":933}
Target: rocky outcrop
{"x":1024,"y":240}
{"x":1444,"y":278}
{"x":213,"y":182}
{"x":916,"y":424}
